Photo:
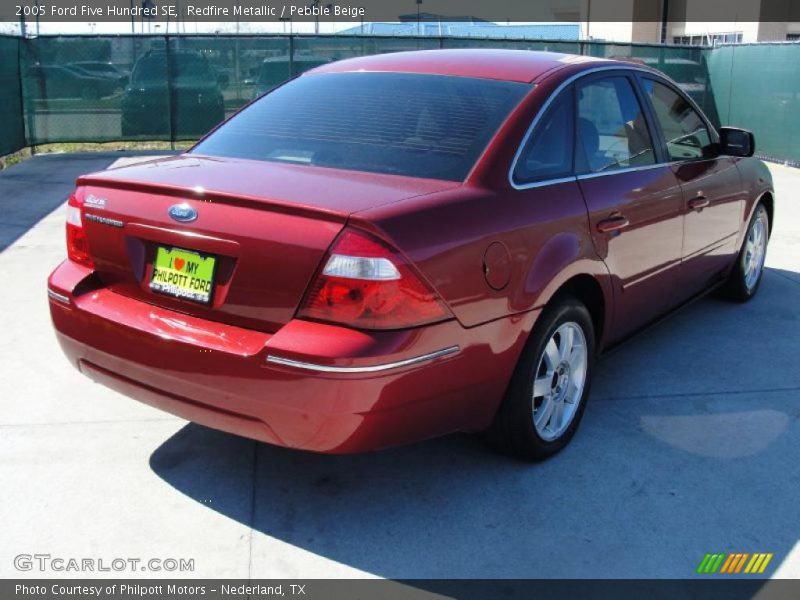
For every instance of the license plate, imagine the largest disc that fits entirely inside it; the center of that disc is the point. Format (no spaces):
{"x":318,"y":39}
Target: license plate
{"x":183,"y":274}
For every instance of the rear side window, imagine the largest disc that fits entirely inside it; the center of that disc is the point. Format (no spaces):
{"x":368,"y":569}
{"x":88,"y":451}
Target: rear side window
{"x":612,"y":129}
{"x":684,"y":130}
{"x":415,"y":125}
{"x":548,"y":153}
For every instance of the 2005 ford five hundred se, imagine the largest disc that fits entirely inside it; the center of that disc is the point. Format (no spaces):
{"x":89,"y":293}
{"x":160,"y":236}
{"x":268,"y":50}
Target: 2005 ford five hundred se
{"x":395,"y":247}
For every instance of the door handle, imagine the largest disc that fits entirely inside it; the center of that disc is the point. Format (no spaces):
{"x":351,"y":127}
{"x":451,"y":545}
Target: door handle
{"x":698,"y":202}
{"x":612,"y":224}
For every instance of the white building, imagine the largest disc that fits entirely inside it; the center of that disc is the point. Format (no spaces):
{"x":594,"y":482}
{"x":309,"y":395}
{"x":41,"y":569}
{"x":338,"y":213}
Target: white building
{"x":690,"y":21}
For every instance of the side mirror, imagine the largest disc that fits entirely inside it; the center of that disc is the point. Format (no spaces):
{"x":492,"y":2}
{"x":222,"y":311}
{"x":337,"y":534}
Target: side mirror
{"x":736,"y":142}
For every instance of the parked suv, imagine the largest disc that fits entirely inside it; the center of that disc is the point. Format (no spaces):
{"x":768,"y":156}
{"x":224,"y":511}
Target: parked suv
{"x":180,"y":97}
{"x":277,"y":69}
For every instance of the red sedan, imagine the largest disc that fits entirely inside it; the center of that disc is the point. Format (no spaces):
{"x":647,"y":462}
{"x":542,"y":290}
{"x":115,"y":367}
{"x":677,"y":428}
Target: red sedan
{"x":396,"y":247}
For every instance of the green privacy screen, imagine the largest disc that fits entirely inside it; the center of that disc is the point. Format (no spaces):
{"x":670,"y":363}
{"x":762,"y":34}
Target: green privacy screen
{"x":758,"y":87}
{"x":112,"y":88}
{"x":95,"y":89}
{"x":12,"y":130}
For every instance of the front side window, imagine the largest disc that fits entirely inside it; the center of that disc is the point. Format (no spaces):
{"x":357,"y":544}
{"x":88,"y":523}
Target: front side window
{"x":548,"y":152}
{"x":612,"y":130}
{"x":684,"y":130}
{"x":415,"y":125}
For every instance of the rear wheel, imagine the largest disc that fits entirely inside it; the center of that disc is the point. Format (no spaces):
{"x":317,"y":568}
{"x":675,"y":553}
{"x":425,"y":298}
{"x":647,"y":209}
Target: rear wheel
{"x":547,"y":395}
{"x":746,"y":275}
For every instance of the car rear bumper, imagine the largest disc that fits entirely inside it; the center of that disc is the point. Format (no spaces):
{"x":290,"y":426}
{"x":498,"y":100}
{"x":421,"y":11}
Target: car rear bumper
{"x":309,"y":385}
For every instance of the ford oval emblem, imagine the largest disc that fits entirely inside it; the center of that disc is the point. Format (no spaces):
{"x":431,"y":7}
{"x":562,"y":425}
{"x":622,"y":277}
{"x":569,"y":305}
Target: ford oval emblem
{"x":182,"y":212}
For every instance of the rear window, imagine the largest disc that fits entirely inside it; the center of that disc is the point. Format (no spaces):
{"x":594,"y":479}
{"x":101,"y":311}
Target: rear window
{"x":415,"y":125}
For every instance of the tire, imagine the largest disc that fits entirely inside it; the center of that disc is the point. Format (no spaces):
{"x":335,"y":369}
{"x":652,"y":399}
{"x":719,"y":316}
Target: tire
{"x":746,"y":275}
{"x":524,"y":425}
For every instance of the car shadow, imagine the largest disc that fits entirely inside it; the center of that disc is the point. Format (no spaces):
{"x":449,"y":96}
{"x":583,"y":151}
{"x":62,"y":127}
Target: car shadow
{"x":676,"y":457}
{"x":32,"y":189}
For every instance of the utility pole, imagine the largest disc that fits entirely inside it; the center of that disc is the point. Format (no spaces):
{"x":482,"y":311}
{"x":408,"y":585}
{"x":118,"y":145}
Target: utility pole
{"x":588,"y":19}
{"x":236,"y":63}
{"x":37,"y":18}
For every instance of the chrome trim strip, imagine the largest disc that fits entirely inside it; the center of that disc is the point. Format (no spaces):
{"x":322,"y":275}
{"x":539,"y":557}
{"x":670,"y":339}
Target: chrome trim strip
{"x":288,"y":362}
{"x":623,"y":170}
{"x":57,"y":296}
{"x":544,"y":182}
{"x":554,"y":95}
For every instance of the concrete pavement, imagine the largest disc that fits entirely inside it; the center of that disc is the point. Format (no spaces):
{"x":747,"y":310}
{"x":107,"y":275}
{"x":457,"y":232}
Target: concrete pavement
{"x":690,"y":444}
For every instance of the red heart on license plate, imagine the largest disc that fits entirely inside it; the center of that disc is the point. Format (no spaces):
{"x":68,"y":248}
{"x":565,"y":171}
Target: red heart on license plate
{"x":179,"y":262}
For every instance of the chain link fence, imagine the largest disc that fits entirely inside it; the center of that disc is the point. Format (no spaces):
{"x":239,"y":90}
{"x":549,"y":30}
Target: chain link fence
{"x":757,"y":86}
{"x":173,"y":88}
{"x":12,"y":128}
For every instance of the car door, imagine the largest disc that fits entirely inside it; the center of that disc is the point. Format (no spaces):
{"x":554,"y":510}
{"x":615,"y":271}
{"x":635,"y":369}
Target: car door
{"x":632,"y":196}
{"x":710,"y":183}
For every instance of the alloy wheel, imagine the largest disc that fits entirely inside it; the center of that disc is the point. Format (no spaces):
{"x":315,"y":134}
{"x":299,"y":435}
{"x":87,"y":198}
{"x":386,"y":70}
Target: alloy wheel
{"x":755,"y":250}
{"x":560,"y":379}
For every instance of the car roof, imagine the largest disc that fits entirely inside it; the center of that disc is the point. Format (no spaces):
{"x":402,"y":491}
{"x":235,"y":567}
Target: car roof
{"x":509,"y":65}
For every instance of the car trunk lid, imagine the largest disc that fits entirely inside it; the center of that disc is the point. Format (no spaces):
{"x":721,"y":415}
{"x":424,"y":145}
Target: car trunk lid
{"x":265,"y":225}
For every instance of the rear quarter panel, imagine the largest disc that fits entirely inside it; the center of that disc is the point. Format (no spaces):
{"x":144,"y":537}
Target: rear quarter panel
{"x":543,"y":230}
{"x":756,"y":181}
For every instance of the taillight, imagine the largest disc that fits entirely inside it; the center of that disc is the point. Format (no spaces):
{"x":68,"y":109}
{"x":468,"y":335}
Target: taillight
{"x":77,"y":245}
{"x":366,"y":284}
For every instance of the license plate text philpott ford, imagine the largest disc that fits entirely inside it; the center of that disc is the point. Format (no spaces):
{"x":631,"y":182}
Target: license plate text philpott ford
{"x":183,"y":274}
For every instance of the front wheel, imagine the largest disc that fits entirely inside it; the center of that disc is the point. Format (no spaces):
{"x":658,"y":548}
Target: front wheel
{"x":547,"y":395}
{"x":746,"y":275}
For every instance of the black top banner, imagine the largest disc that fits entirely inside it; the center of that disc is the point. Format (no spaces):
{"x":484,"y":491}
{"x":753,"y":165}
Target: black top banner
{"x":355,"y":11}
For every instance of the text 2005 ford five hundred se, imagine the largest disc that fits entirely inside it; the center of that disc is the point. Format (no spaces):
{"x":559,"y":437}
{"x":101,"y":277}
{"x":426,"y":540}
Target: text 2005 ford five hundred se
{"x":396,"y":247}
